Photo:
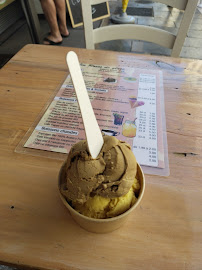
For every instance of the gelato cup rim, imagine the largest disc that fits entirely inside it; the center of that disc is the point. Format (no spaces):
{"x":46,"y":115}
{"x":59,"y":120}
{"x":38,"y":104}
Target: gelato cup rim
{"x":71,"y":209}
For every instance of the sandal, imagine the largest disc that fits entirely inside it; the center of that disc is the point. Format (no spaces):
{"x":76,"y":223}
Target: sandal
{"x":65,"y":36}
{"x":52,"y":42}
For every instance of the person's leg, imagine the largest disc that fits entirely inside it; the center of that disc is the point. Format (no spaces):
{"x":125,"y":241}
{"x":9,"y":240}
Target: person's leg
{"x":61,"y":12}
{"x":49,"y":10}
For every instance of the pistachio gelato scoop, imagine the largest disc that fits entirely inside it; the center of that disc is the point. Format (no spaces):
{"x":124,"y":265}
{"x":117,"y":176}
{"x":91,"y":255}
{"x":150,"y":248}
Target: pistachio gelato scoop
{"x":110,"y":175}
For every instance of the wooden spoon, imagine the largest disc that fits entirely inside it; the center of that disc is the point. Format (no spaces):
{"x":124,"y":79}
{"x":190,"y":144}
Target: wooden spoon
{"x":93,"y":134}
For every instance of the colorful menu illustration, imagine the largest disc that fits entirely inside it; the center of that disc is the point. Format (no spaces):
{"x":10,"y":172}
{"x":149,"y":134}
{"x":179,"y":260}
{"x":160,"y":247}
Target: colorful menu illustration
{"x":126,"y":102}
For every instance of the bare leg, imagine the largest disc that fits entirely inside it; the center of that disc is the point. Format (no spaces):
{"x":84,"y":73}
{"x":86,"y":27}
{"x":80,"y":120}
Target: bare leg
{"x":49,"y":10}
{"x":61,"y":11}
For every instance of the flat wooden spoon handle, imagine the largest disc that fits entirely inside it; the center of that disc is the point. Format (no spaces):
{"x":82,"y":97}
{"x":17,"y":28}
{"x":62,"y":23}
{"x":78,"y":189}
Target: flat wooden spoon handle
{"x":93,"y":134}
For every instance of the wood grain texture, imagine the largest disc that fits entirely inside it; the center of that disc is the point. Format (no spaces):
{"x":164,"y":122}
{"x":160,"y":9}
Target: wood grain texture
{"x":37,"y":231}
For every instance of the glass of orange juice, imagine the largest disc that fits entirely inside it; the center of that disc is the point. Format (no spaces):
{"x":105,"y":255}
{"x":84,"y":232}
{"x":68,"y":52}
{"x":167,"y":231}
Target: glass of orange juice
{"x":129,"y":129}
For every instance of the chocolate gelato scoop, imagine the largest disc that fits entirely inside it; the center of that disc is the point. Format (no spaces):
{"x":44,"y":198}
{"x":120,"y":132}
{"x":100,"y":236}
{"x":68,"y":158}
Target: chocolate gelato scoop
{"x":110,"y":175}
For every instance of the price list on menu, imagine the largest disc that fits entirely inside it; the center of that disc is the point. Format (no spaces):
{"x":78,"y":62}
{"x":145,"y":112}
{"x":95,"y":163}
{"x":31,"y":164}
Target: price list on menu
{"x":145,"y":142}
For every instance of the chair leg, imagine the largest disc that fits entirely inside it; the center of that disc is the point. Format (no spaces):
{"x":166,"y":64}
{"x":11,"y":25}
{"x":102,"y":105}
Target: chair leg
{"x":32,"y":20}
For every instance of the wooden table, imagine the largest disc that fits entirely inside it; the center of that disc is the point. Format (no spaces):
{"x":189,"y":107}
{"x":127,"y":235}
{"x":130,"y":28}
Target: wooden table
{"x":36,"y":230}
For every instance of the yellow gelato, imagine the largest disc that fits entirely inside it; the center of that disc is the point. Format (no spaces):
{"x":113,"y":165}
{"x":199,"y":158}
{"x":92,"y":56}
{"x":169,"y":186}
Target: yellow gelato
{"x":101,"y":207}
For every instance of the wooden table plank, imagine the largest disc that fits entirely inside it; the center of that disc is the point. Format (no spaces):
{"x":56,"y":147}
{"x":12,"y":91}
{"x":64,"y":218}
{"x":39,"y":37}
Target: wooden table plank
{"x":37,"y":231}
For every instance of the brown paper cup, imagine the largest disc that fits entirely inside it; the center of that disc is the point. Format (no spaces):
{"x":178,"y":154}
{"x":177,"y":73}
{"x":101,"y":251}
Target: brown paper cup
{"x":102,"y":225}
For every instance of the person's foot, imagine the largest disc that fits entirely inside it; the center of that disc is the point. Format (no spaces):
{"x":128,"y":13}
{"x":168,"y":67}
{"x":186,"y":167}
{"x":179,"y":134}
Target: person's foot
{"x":52,"y":40}
{"x":64,"y":31}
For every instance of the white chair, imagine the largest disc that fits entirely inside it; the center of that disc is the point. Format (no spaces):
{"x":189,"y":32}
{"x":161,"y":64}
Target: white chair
{"x":139,"y":32}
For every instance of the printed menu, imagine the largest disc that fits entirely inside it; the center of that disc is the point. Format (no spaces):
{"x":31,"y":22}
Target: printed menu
{"x":126,"y":102}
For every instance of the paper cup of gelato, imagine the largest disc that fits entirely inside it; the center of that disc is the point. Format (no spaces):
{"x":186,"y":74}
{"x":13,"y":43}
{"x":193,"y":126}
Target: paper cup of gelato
{"x":107,"y":224}
{"x":101,"y":193}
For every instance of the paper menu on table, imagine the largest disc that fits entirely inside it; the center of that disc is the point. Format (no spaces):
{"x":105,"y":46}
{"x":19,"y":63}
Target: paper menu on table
{"x":126,"y":103}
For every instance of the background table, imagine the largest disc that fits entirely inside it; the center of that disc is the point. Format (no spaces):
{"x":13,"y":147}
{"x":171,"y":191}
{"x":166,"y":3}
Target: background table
{"x":36,"y":230}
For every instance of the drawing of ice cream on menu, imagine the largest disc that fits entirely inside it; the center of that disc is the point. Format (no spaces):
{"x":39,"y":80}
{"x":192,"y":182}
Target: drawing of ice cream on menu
{"x":134,"y":103}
